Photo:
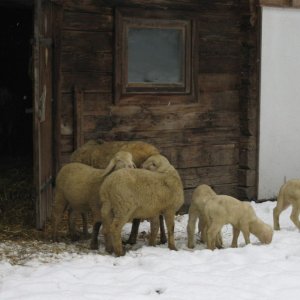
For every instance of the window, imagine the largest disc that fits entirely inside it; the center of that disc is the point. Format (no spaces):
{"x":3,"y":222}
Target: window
{"x":155,"y":53}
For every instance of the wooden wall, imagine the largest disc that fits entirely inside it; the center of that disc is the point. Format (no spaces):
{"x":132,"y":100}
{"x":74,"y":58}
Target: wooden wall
{"x":213,"y":141}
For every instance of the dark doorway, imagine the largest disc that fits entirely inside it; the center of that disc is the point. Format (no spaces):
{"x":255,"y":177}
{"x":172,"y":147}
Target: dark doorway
{"x":16,"y":101}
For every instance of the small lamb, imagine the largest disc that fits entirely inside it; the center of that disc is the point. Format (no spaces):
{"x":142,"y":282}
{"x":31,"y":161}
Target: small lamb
{"x":289,"y":194}
{"x":77,"y":188}
{"x":224,"y":210}
{"x":201,"y":195}
{"x":141,"y":194}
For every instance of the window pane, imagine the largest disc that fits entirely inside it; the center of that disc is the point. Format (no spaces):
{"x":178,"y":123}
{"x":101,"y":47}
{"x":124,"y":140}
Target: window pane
{"x":155,"y":56}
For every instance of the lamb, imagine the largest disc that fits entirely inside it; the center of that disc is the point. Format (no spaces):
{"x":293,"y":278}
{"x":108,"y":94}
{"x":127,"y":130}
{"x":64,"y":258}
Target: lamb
{"x":140,"y":194}
{"x":77,"y":188}
{"x":289,"y":194}
{"x":227,"y":210}
{"x":201,"y":195}
{"x":98,"y":154}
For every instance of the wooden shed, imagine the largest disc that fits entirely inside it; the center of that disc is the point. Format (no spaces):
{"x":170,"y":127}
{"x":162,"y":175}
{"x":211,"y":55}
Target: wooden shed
{"x":180,"y":74}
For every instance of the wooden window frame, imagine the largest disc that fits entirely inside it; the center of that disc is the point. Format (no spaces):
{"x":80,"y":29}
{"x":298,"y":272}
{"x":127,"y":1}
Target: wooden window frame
{"x":186,"y":91}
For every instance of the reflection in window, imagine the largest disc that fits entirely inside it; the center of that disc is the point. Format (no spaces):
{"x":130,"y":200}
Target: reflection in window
{"x":155,"y":55}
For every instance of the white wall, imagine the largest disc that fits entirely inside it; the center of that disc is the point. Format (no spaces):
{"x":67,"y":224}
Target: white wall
{"x":279,"y":154}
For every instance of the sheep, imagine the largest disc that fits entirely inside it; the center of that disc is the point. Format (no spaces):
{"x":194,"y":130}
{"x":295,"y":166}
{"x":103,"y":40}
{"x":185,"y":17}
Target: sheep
{"x":77,"y":187}
{"x":289,"y":194}
{"x":201,"y":195}
{"x":140,"y":194}
{"x":223,"y":210}
{"x":98,"y":154}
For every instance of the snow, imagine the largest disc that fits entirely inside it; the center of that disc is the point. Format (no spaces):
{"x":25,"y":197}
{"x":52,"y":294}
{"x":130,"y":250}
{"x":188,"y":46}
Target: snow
{"x":254,"y":271}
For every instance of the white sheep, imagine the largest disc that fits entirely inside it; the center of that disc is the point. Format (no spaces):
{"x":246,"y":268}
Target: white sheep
{"x":227,"y":210}
{"x":77,"y":187}
{"x":201,"y":195}
{"x":140,"y":194}
{"x":289,"y":194}
{"x":98,"y":154}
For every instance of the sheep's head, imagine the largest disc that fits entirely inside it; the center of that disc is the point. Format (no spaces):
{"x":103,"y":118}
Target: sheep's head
{"x":263,"y":231}
{"x":157,"y":163}
{"x":122,"y":159}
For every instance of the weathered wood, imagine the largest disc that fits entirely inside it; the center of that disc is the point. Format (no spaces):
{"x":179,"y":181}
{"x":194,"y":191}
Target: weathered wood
{"x":209,"y":175}
{"x":85,"y":62}
{"x":78,"y":132}
{"x":87,"y":42}
{"x":87,"y":81}
{"x":83,"y":21}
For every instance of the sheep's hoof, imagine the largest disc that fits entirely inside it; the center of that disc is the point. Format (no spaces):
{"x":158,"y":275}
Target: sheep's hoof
{"x":130,"y":242}
{"x":191,"y":246}
{"x":109,"y":250}
{"x":173,"y":248}
{"x":122,"y":253}
{"x":163,"y":240}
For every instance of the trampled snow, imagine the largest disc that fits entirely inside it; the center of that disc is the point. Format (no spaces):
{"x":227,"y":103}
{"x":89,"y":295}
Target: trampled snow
{"x":254,"y":271}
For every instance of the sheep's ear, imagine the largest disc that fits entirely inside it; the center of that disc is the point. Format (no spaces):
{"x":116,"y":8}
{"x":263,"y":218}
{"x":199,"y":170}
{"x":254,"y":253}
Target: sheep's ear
{"x":110,"y":167}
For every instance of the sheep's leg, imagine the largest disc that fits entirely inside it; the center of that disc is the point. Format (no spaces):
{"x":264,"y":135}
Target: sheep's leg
{"x":163,"y":237}
{"x":295,"y":216}
{"x":154,"y":225}
{"x":202,"y":227}
{"x":84,"y":225}
{"x":107,"y":220}
{"x":94,"y":241}
{"x":236,"y":233}
{"x":134,"y":231}
{"x":72,"y":226}
{"x":96,"y":226}
{"x":246,"y":234}
{"x":169,"y":217}
{"x":280,"y":207}
{"x":212,"y":231}
{"x":219,"y":241}
{"x":193,"y":216}
{"x":116,"y":228}
{"x":60,"y":205}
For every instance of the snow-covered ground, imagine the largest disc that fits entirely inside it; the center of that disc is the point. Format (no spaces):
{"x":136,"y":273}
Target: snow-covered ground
{"x":255,"y":271}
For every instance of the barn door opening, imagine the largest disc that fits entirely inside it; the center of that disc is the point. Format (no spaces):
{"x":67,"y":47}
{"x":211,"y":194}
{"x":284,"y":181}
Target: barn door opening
{"x":16,"y":102}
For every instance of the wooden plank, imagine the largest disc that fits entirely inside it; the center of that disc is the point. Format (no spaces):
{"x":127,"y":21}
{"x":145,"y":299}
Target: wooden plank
{"x":66,"y":117}
{"x":281,"y":3}
{"x":203,"y":155}
{"x":86,"y":42}
{"x":171,"y":118}
{"x":97,"y":104}
{"x":57,"y":25}
{"x":67,"y":146}
{"x":78,"y":133}
{"x":219,"y":64}
{"x":87,"y":81}
{"x":209,"y":175}
{"x":87,"y":6}
{"x":218,"y":82}
{"x":83,"y":21}
{"x":87,"y":62}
